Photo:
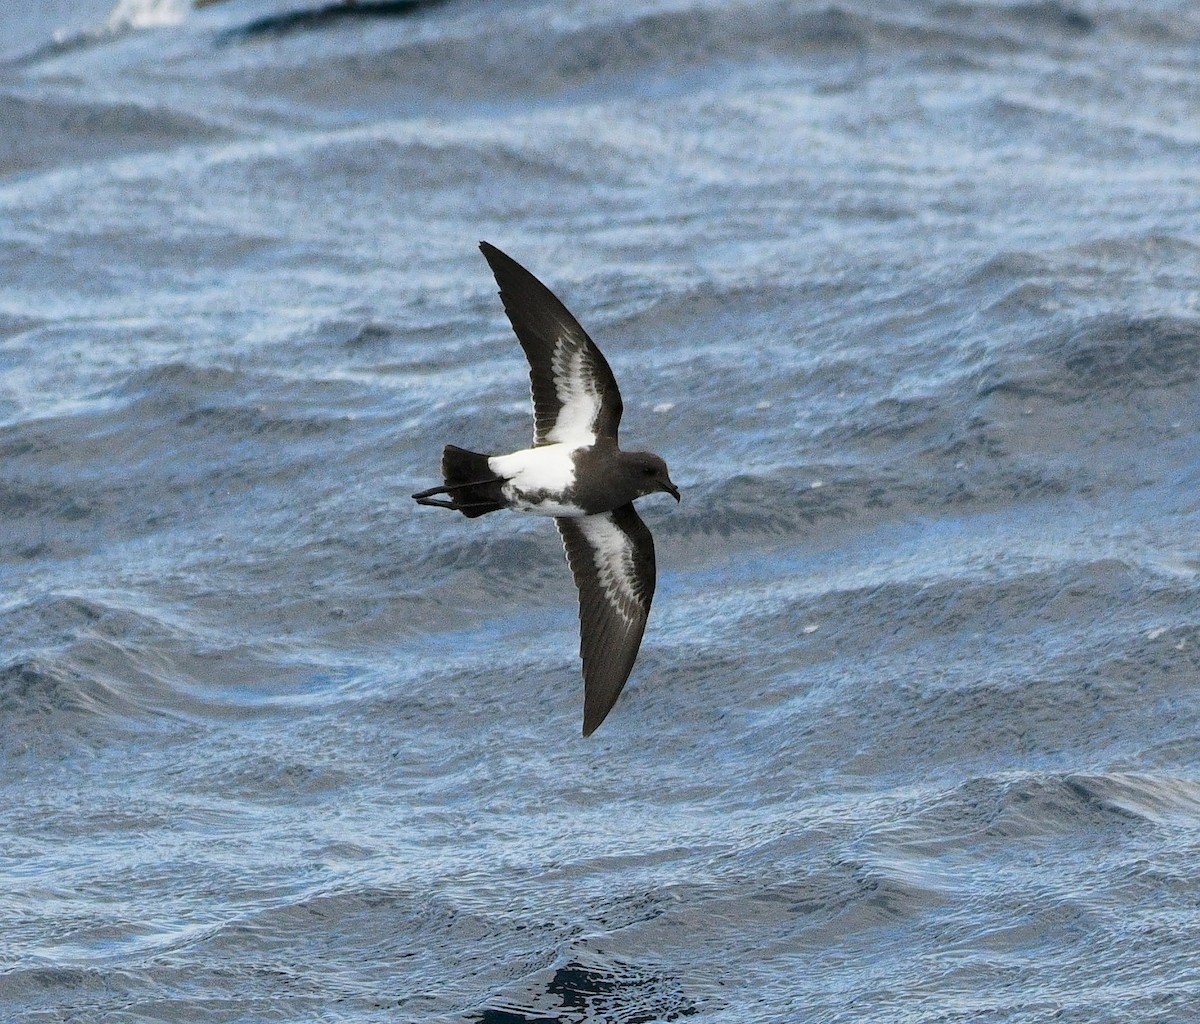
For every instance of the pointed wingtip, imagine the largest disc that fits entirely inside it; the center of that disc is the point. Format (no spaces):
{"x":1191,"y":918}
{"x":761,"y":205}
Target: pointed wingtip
{"x":595,"y":709}
{"x":496,"y":258}
{"x":592,"y":720}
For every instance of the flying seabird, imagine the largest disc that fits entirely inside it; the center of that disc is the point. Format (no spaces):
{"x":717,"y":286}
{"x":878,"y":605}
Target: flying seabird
{"x":576,"y":473}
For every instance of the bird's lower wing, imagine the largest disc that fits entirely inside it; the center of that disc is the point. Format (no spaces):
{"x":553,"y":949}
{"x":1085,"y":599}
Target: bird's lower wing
{"x":612,"y":559}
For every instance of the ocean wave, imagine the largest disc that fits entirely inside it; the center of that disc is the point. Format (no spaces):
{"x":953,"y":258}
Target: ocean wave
{"x":73,"y":129}
{"x":1005,"y":808}
{"x":667,"y":47}
{"x":1114,"y":357}
{"x":100,"y":670}
{"x":1168,"y":800}
{"x":147,"y":13}
{"x":588,"y":983}
{"x":48,"y":703}
{"x":320,"y":17}
{"x":913,"y":722}
{"x":1047,"y":15}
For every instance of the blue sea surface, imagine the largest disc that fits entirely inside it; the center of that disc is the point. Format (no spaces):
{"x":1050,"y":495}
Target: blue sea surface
{"x":907,"y":295}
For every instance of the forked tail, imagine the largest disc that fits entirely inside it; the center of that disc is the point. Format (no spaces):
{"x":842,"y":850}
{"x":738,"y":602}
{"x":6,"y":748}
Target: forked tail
{"x":472,"y":488}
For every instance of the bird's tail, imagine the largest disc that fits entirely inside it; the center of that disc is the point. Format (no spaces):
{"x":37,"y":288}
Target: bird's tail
{"x":471,"y":486}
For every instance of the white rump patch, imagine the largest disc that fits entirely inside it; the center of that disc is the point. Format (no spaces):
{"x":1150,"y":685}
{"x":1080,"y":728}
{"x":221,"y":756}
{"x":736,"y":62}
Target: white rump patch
{"x":612,"y":553}
{"x":535,"y":475}
{"x":578,"y":394}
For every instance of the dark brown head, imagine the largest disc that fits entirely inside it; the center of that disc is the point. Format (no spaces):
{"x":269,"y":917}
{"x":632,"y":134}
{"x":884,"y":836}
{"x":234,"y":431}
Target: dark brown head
{"x":648,"y":474}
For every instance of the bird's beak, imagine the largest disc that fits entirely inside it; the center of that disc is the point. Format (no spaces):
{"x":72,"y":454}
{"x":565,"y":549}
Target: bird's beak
{"x":673,"y":491}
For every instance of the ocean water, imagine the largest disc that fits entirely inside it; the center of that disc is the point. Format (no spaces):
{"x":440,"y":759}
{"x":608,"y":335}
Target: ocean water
{"x":907,"y":295}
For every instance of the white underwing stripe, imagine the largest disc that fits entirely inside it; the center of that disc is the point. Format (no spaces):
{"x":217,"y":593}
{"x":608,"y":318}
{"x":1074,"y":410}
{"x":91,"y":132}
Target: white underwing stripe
{"x":612,"y":553}
{"x":577,"y":392}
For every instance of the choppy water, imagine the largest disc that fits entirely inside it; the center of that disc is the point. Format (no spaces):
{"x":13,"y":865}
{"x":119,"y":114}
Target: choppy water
{"x":908,"y":295}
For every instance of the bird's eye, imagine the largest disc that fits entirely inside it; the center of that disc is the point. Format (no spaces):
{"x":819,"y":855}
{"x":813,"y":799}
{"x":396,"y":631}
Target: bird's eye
{"x":649,"y":471}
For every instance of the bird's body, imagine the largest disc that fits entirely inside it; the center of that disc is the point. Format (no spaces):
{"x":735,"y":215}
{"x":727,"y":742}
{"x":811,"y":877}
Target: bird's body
{"x":576,"y":473}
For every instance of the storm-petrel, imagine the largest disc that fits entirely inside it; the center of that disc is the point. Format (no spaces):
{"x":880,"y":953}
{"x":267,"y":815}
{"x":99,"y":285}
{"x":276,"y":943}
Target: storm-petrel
{"x":576,"y":473}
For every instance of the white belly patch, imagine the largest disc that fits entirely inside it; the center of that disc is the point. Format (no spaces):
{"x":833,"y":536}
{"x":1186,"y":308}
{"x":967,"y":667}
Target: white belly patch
{"x":536,"y":478}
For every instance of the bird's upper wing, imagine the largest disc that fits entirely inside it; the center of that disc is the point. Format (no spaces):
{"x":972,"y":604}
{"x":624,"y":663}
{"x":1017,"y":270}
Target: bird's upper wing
{"x":575,"y":396}
{"x":612,"y":559}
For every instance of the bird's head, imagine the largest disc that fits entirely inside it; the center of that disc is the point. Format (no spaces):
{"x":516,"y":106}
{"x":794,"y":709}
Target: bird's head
{"x":650,"y":474}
